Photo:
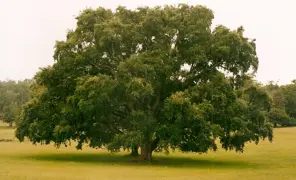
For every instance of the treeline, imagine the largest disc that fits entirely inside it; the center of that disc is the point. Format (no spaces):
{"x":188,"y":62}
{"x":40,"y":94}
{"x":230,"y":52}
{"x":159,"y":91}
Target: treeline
{"x":13,"y":95}
{"x":283,"y":109}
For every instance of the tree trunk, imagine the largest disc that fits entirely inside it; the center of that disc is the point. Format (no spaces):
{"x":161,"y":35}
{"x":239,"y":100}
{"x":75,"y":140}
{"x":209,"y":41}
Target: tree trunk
{"x":148,"y":148}
{"x":135,"y":151}
{"x":10,"y":124}
{"x":146,"y":152}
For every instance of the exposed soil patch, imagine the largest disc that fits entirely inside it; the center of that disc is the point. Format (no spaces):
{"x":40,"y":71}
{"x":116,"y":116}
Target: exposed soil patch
{"x":5,"y":140}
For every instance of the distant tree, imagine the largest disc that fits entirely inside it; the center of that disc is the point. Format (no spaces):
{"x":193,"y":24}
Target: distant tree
{"x":11,"y":113}
{"x":290,"y":99}
{"x":279,"y":117}
{"x":12,"y":96}
{"x":283,"y":104}
{"x":119,"y":81}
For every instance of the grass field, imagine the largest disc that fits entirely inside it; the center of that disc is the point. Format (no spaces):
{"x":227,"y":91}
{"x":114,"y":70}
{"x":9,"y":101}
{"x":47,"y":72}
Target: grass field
{"x":270,"y":161}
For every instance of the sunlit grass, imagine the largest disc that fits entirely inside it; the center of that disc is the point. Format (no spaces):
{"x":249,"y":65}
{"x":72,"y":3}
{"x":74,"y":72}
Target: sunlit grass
{"x":4,"y":125}
{"x":271,"y":161}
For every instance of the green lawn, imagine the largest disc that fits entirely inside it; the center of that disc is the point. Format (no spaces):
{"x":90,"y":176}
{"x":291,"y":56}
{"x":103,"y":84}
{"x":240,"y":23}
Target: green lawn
{"x":270,"y":161}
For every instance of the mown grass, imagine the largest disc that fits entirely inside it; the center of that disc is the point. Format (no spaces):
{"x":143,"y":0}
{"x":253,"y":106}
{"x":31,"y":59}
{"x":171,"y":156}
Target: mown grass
{"x":270,"y":161}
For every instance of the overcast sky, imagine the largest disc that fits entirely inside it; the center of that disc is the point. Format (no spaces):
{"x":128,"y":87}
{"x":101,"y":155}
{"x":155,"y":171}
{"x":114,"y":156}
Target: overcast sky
{"x":29,"y":29}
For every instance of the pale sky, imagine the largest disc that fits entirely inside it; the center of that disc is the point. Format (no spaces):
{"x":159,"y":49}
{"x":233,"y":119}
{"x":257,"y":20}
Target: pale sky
{"x":29,"y":29}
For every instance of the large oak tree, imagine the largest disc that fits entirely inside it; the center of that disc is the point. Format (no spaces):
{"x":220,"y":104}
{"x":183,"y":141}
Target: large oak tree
{"x":151,"y":78}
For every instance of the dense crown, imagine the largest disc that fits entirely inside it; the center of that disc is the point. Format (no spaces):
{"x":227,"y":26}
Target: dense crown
{"x":155,"y":78}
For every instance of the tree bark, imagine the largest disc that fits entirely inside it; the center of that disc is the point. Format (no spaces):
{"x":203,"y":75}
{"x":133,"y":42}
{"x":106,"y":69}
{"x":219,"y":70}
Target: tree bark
{"x":146,"y":152}
{"x":10,"y":124}
{"x":154,"y":144}
{"x":148,"y":148}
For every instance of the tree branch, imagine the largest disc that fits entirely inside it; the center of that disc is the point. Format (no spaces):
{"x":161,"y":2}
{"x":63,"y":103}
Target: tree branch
{"x":154,"y":144}
{"x":156,"y":101}
{"x":120,"y":114}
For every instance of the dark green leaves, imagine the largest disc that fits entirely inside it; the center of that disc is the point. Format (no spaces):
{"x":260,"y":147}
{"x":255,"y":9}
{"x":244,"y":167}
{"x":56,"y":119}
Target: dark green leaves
{"x":119,"y":81}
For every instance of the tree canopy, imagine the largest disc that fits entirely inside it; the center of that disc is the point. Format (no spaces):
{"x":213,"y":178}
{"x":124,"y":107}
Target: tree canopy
{"x":155,"y":78}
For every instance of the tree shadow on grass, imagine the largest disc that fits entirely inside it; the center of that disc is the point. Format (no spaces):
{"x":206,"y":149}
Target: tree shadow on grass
{"x":160,"y":161}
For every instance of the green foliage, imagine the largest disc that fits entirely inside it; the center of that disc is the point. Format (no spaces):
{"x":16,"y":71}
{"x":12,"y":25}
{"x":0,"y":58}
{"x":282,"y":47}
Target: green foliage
{"x":12,"y":96}
{"x":284,"y":104}
{"x":279,"y":116}
{"x":118,"y":81}
{"x":290,"y":99}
